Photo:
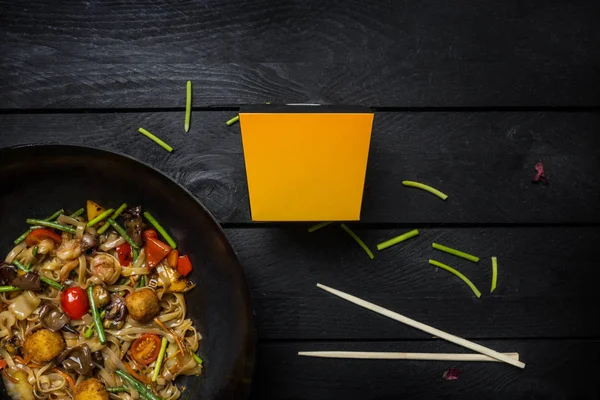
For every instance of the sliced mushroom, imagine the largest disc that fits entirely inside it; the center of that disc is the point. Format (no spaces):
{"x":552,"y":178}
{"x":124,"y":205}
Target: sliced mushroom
{"x":116,"y":312}
{"x":134,"y":223}
{"x":8,"y":272}
{"x":29,"y":281}
{"x":88,"y":241}
{"x":101,"y":296}
{"x":53,"y":318}
{"x":77,"y":359}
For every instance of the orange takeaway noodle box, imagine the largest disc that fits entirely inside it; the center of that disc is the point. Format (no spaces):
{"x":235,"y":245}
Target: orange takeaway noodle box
{"x":306,"y":163}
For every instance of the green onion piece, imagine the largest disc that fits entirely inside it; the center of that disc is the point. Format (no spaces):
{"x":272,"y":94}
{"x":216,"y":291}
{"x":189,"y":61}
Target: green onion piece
{"x":4,"y":289}
{"x":397,"y":239}
{"x":359,"y":241}
{"x":116,"y":389}
{"x":188,"y":105}
{"x":122,"y":232}
{"x":197,"y":358}
{"x":233,"y":120}
{"x":455,"y":252}
{"x":159,"y":360}
{"x":34,"y":251}
{"x":22,"y":237}
{"x":143,"y":281}
{"x":96,"y":316}
{"x":137,"y":385}
{"x":160,"y":229}
{"x":318,"y":226}
{"x":431,"y":190}
{"x":458,"y":274}
{"x":155,"y":140}
{"x":50,"y":218}
{"x":54,"y":225}
{"x":494,"y":273}
{"x":52,"y":283}
{"x":89,"y":332}
{"x":20,"y":266}
{"x":104,"y":227}
{"x":77,"y":213}
{"x":100,"y":217}
{"x":54,"y":216}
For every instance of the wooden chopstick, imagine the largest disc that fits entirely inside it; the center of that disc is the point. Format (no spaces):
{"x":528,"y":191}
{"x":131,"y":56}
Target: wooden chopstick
{"x":425,"y":328}
{"x":371,"y":355}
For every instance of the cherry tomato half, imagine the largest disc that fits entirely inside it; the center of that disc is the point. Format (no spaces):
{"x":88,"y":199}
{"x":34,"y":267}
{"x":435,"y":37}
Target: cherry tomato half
{"x":145,"y":349}
{"x":75,"y":302}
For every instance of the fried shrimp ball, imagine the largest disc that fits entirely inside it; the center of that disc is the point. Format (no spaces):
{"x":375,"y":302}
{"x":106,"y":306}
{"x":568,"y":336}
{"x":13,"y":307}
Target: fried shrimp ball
{"x":142,"y":305}
{"x":44,"y":345}
{"x":91,"y":389}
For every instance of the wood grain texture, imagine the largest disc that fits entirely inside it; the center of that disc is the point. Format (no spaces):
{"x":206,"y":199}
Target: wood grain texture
{"x":555,"y":370}
{"x":139,"y":54}
{"x":483,"y":161}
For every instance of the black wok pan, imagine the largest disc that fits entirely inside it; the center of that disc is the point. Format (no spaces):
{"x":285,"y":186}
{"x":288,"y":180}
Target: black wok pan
{"x":37,"y":180}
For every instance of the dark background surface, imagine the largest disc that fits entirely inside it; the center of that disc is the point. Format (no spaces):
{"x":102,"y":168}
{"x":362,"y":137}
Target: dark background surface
{"x":469,"y":96}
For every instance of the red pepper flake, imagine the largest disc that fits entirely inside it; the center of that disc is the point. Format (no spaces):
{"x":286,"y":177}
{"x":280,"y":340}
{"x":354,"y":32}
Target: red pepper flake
{"x":451,"y":374}
{"x":540,"y":176}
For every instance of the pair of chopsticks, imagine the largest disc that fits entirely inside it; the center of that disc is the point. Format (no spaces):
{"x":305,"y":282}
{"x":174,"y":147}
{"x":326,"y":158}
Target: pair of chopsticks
{"x":486,"y":354}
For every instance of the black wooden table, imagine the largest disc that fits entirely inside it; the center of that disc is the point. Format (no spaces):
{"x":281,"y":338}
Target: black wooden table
{"x":468,"y":97}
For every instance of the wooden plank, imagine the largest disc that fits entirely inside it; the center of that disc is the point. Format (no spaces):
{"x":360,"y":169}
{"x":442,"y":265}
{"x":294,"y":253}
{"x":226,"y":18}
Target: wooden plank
{"x":555,"y":369}
{"x":432,"y":53}
{"x":546,"y":282}
{"x":483,"y":161}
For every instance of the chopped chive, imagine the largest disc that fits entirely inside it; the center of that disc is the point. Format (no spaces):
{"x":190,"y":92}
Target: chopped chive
{"x":104,"y":227}
{"x":123,"y":233}
{"x":155,"y":139}
{"x":34,"y":251}
{"x":100,"y":217}
{"x":50,"y":218}
{"x":161,"y":356}
{"x":77,"y":213}
{"x":89,"y":332}
{"x":160,"y":229}
{"x":397,"y":239}
{"x":20,"y":266}
{"x":359,"y":241}
{"x":458,"y":274}
{"x":54,"y":225}
{"x":494,"y":273}
{"x":455,"y":252}
{"x":4,"y":289}
{"x":431,"y":190}
{"x":116,"y":389}
{"x":233,"y":120}
{"x":188,"y":105}
{"x":197,"y":358}
{"x":52,"y":283}
{"x":318,"y":226}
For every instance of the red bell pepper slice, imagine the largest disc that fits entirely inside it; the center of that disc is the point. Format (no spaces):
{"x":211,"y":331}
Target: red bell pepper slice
{"x":172,"y":258}
{"x":149,"y":233}
{"x":155,"y":251}
{"x":184,"y":265}
{"x":37,"y":235}
{"x":124,"y":253}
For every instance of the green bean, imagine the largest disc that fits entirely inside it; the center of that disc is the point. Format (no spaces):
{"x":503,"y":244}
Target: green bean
{"x":143,"y":281}
{"x":54,"y":216}
{"x":8,"y":289}
{"x":23,"y":236}
{"x":159,"y":360}
{"x":137,"y":385}
{"x":20,"y":266}
{"x":122,"y":232}
{"x":50,"y":218}
{"x":104,"y":227}
{"x":77,"y":213}
{"x":96,"y":316}
{"x":100,"y":217}
{"x":54,"y":225}
{"x":160,"y":229}
{"x":34,"y":251}
{"x":197,"y":358}
{"x":52,"y":283}
{"x":116,"y":389}
{"x":89,"y":332}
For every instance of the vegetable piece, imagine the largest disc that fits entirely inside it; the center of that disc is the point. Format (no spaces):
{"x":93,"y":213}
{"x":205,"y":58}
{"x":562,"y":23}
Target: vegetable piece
{"x":188,"y":105}
{"x":8,"y":272}
{"x":20,"y":266}
{"x":124,"y":254}
{"x":95,"y":315}
{"x":17,"y":386}
{"x":51,"y":225}
{"x":116,"y":214}
{"x":74,"y":302}
{"x":431,"y":190}
{"x":116,"y":389}
{"x":184,"y":265}
{"x":89,"y":241}
{"x":397,"y":239}
{"x":172,"y":259}
{"x":145,"y":349}
{"x":160,"y":229}
{"x":4,"y":289}
{"x":24,"y":305}
{"x":142,"y":389}
{"x":155,"y":252}
{"x":53,"y":318}
{"x":100,"y":217}
{"x":455,"y":252}
{"x":50,"y":218}
{"x":52,"y":283}
{"x":77,"y":359}
{"x":174,"y":281}
{"x":34,"y":251}
{"x":155,"y":139}
{"x":77,"y":213}
{"x":170,"y":332}
{"x":29,"y":281}
{"x":93,"y":209}
{"x":134,"y":224}
{"x":318,"y":226}
{"x":122,"y":232}
{"x":359,"y":241}
{"x":458,"y":274}
{"x":116,"y":312}
{"x":143,"y":281}
{"x":149,"y":233}
{"x":101,"y":296}
{"x":37,"y":235}
{"x":233,"y":120}
{"x":197,"y":358}
{"x":161,"y":356}
{"x":89,"y":332}
{"x":494,"y":274}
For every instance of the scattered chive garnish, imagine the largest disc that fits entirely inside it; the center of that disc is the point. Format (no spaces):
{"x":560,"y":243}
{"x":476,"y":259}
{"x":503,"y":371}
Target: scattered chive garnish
{"x":233,"y":120}
{"x":494,"y":273}
{"x":359,"y":241}
{"x":77,"y":213}
{"x":4,"y":289}
{"x":318,"y":226}
{"x":398,"y":239}
{"x":155,"y":140}
{"x":104,"y":227}
{"x":52,"y":283}
{"x":89,"y":332}
{"x":50,"y":225}
{"x":455,"y":252}
{"x":159,"y":360}
{"x":197,"y":358}
{"x":458,"y":274}
{"x":100,"y":217}
{"x":188,"y":105}
{"x":431,"y":190}
{"x":160,"y":229}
